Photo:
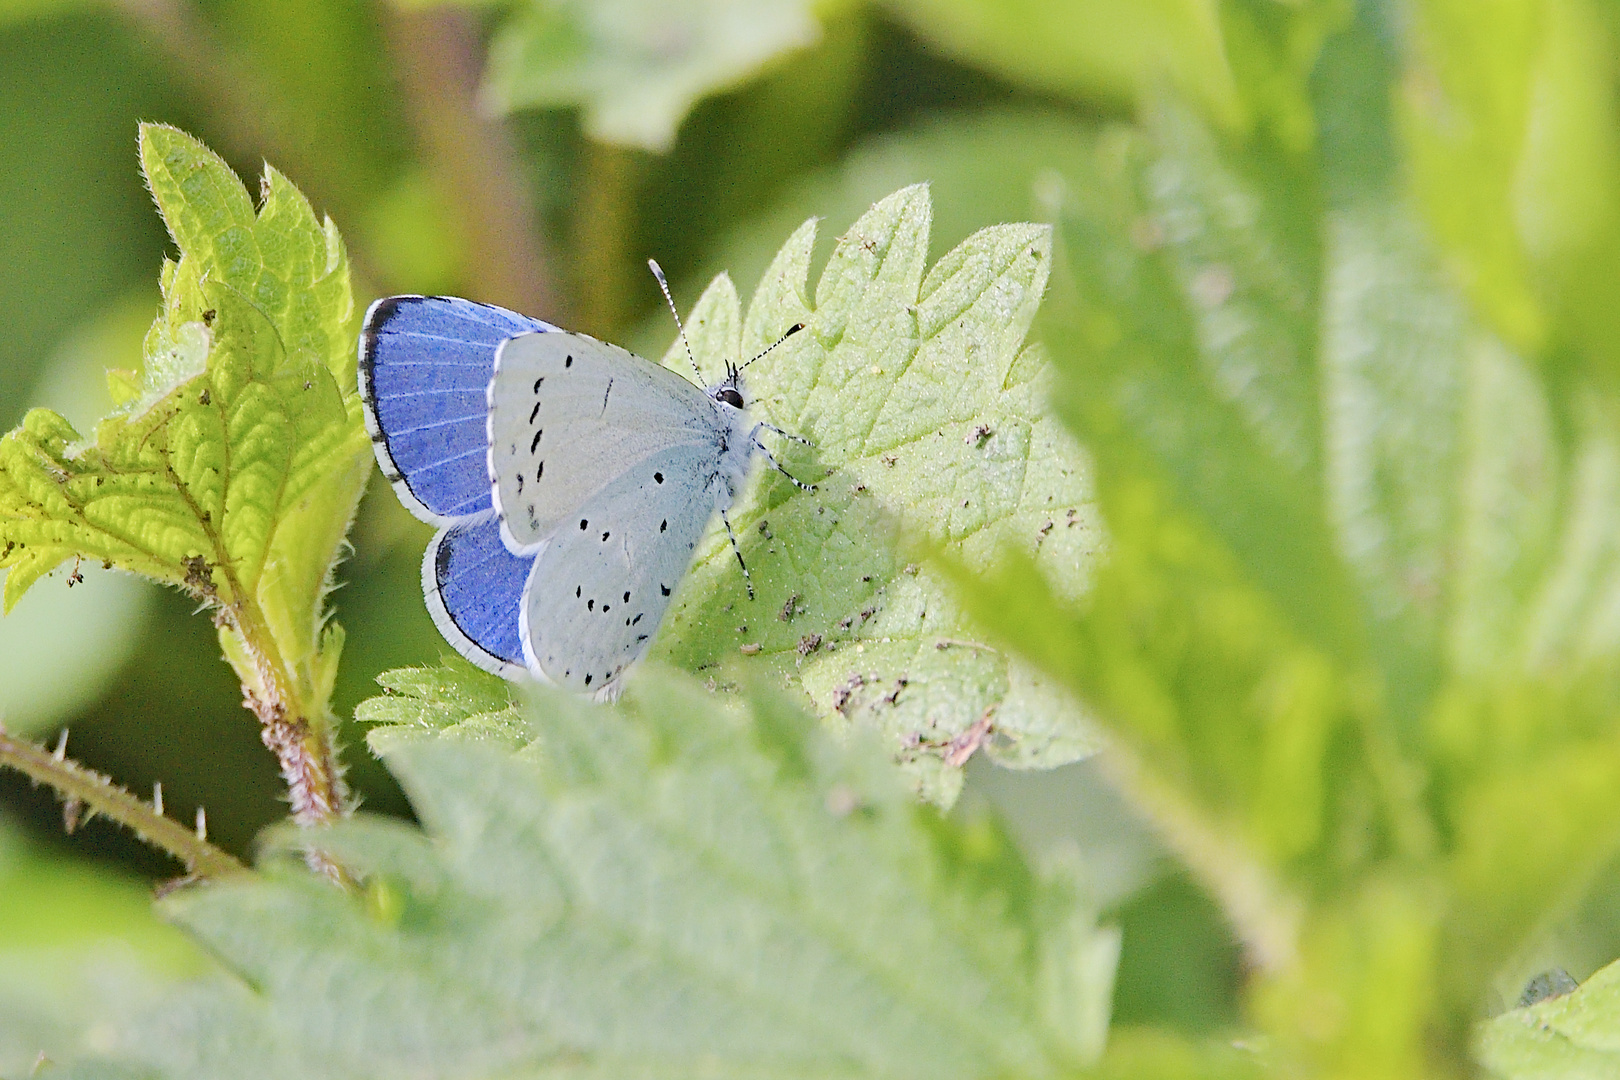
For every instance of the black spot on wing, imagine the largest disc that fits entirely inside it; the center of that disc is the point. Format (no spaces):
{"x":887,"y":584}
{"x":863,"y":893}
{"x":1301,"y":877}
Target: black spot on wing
{"x":441,"y":564}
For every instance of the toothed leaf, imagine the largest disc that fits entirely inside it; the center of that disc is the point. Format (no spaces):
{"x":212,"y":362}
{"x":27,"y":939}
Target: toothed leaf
{"x":925,"y":410}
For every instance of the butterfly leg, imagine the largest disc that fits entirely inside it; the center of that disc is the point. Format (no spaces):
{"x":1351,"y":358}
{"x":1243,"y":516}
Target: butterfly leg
{"x":785,"y":434}
{"x":747,"y":579}
{"x":777,"y":465}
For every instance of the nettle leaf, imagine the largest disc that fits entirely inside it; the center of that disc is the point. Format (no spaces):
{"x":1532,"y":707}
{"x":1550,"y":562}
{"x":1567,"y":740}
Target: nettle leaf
{"x":1223,"y":636}
{"x":926,"y":413}
{"x":667,"y":887}
{"x":430,"y":702}
{"x":1571,"y":1036}
{"x":232,"y":467}
{"x":638,"y":66}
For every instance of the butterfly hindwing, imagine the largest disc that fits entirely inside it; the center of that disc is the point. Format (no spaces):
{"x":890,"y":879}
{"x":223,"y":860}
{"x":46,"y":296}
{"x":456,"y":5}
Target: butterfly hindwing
{"x":424,"y":369}
{"x":569,"y":415}
{"x":474,"y":588}
{"x":601,"y":586}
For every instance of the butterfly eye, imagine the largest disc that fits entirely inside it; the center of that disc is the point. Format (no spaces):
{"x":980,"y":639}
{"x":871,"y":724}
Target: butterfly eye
{"x":730,"y":396}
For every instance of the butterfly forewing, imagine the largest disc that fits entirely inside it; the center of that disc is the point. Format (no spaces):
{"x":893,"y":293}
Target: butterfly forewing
{"x":601,"y":586}
{"x":569,"y":416}
{"x":424,"y":369}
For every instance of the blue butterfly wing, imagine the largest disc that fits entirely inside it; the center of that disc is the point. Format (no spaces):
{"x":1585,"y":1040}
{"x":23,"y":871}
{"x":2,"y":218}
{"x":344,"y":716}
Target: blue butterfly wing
{"x":474,"y":589}
{"x":424,"y":369}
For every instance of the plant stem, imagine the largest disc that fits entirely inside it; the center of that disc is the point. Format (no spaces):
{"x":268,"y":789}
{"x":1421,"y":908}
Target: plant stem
{"x":297,"y":730}
{"x":603,"y":229}
{"x":77,"y":784}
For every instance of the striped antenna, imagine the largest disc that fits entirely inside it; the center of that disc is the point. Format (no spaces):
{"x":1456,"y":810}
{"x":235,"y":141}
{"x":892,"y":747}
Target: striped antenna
{"x":664,"y":285}
{"x":794,"y":329}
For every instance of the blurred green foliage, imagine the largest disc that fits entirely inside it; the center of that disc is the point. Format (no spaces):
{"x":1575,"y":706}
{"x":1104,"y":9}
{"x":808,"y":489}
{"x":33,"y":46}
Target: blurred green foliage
{"x":1329,"y":313}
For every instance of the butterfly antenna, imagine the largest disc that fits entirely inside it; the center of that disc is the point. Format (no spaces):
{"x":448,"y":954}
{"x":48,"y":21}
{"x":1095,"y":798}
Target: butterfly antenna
{"x":664,"y":285}
{"x":794,"y":329}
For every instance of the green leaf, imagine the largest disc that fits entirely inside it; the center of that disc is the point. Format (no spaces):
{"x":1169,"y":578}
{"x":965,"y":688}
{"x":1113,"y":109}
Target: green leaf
{"x":61,"y":648}
{"x":72,"y":938}
{"x":234,"y":465}
{"x":636,"y":66}
{"x":665,"y":887}
{"x":1188,"y":340}
{"x":429,"y":702}
{"x":1122,"y":50}
{"x":1353,"y":623}
{"x":1572,"y":1037}
{"x":1509,"y":123}
{"x":924,"y":408}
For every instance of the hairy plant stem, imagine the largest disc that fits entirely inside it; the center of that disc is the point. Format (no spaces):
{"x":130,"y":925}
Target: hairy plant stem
{"x":83,"y":788}
{"x":298,"y":731}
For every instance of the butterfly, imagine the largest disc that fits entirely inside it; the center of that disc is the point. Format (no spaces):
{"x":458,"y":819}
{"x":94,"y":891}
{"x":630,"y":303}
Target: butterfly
{"x":571,"y":480}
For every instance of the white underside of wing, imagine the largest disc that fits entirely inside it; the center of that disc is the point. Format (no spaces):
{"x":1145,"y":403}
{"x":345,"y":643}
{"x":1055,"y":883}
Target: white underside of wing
{"x":568,"y":416}
{"x":598,"y":593}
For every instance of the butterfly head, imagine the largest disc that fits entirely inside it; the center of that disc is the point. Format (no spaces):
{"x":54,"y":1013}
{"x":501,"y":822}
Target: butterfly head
{"x":730,"y":390}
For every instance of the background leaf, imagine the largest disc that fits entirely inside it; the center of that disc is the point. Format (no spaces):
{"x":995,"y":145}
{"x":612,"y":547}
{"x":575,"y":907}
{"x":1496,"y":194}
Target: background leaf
{"x":665,"y":885}
{"x":638,"y":67}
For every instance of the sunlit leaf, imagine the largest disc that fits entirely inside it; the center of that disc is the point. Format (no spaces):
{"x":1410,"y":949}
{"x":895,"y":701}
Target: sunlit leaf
{"x":234,"y":464}
{"x":924,"y":408}
{"x":1510,"y":125}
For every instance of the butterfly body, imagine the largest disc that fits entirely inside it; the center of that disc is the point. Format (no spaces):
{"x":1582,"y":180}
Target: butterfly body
{"x":598,"y":474}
